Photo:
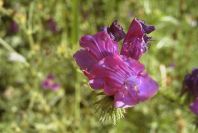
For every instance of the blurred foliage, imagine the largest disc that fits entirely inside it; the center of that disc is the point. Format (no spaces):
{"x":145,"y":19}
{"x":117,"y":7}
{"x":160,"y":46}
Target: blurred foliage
{"x":26,"y":107}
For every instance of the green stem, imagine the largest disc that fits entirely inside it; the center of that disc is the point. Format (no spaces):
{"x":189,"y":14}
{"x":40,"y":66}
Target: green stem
{"x":74,"y":40}
{"x":6,"y":45}
{"x":30,"y":25}
{"x":77,"y":103}
{"x":75,"y":21}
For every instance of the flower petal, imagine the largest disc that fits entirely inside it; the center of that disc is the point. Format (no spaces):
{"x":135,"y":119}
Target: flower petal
{"x":134,"y":90}
{"x":135,"y":65}
{"x":147,"y":87}
{"x":147,"y":28}
{"x":194,"y":106}
{"x":135,"y":42}
{"x":100,"y":45}
{"x":96,"y":83}
{"x":85,"y":60}
{"x":114,"y":70}
{"x":108,"y":70}
{"x":123,"y":99}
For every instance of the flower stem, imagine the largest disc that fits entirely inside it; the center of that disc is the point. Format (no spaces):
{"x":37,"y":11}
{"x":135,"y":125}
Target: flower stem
{"x":74,"y":40}
{"x":30,"y":25}
{"x":6,"y":45}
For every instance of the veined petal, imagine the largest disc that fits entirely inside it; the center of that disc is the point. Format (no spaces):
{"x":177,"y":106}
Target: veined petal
{"x":134,"y":65}
{"x":108,"y":70}
{"x":85,"y":60}
{"x":147,"y":87}
{"x":135,"y":42}
{"x":123,"y":99}
{"x":134,"y":90}
{"x":100,"y":45}
{"x":114,"y":70}
{"x":139,"y":88}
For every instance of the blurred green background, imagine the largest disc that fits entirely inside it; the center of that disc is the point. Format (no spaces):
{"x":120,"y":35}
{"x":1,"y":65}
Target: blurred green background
{"x":39,"y":37}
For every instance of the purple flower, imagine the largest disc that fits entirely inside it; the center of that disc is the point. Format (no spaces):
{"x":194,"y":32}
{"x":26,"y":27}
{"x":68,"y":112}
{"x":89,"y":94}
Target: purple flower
{"x":136,"y":40}
{"x":52,"y":25}
{"x":194,"y":106}
{"x":49,"y":83}
{"x":121,"y":76}
{"x":125,"y":79}
{"x":190,"y":83}
{"x":12,"y":27}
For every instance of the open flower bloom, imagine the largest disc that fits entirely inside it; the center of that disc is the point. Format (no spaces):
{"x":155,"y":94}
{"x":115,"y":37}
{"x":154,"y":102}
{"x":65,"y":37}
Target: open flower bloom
{"x":125,"y":79}
{"x":119,"y":75}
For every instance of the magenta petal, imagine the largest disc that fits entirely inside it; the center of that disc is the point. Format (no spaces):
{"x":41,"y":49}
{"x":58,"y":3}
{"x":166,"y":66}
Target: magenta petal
{"x":135,"y":42}
{"x":147,"y":87}
{"x":114,"y":70}
{"x":111,"y":89}
{"x":85,"y":59}
{"x":96,"y":83}
{"x":111,"y":70}
{"x":107,"y":66}
{"x":135,"y":65}
{"x":135,"y":30}
{"x":194,"y":106}
{"x":136,"y":89}
{"x":124,"y":100}
{"x":55,"y":86}
{"x":134,"y":45}
{"x":100,"y":45}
